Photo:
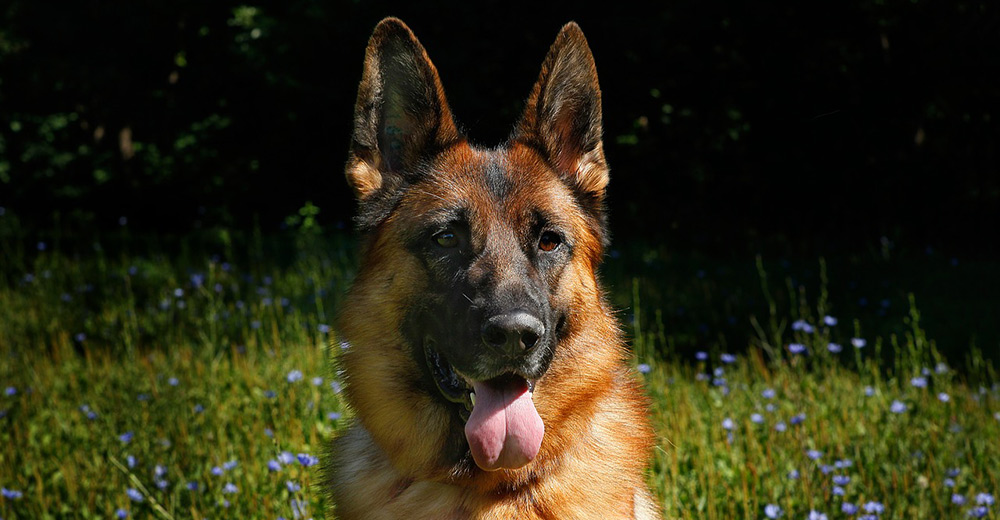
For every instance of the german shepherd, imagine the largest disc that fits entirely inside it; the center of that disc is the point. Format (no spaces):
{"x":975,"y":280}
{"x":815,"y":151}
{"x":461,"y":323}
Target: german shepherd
{"x":487,"y":374}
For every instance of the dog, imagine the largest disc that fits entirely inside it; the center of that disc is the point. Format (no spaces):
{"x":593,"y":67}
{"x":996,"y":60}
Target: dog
{"x":486,"y":371}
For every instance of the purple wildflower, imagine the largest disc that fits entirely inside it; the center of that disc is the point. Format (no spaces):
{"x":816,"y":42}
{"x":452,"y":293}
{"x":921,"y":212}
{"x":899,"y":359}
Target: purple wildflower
{"x":307,"y":460}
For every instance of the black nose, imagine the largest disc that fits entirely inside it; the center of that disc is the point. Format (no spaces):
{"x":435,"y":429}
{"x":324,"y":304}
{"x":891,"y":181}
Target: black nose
{"x":513,"y":332}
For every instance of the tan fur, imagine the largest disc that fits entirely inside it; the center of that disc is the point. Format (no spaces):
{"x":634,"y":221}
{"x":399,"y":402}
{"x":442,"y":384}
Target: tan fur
{"x":394,"y":461}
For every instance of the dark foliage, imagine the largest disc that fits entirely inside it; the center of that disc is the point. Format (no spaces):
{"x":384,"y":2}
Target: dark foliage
{"x":826,"y":123}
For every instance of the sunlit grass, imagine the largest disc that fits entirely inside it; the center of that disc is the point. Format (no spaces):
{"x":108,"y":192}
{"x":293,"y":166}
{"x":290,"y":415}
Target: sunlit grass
{"x":141,"y":387}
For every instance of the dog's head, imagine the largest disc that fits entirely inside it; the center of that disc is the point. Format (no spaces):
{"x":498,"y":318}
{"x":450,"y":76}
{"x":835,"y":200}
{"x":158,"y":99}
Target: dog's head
{"x":478,"y":264}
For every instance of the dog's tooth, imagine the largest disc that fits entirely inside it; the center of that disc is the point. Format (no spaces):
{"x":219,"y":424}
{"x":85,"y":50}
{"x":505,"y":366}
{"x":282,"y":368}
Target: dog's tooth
{"x":472,"y":398}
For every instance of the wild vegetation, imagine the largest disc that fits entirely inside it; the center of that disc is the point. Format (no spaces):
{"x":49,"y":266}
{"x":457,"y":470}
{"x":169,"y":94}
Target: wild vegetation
{"x":200,"y":384}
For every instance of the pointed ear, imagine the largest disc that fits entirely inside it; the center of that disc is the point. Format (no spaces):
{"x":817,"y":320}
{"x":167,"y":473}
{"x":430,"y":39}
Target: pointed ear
{"x":401,"y":114}
{"x":563,"y":114}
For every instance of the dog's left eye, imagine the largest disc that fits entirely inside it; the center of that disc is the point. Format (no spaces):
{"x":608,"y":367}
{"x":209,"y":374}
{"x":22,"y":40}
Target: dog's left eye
{"x":446,"y":238}
{"x":549,"y":241}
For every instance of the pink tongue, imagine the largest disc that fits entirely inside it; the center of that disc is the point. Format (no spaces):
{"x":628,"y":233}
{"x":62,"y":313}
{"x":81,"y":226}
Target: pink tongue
{"x":504,"y":429}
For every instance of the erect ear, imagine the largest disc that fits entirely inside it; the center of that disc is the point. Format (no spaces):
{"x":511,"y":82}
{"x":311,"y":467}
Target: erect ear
{"x":563,"y":114}
{"x":401,"y":114}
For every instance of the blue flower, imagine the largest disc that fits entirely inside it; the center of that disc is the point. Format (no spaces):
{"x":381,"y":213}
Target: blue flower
{"x":919,"y":382}
{"x":126,"y":437}
{"x":941,"y":368}
{"x":838,"y":491}
{"x":796,"y":348}
{"x":292,"y":486}
{"x":162,"y":484}
{"x":335,"y":386}
{"x":953,"y":472}
{"x":869,"y":391}
{"x":273,"y":465}
{"x":781,"y":426}
{"x":192,"y":486}
{"x":897,"y":407}
{"x":701,"y":355}
{"x":643,"y":368}
{"x":294,"y":376}
{"x":979,"y":512}
{"x":286,"y":458}
{"x":307,"y":460}
{"x":217,"y":471}
{"x":270,"y":394}
{"x":134,"y":494}
{"x":826,"y":469}
{"x":958,"y":500}
{"x":756,"y":418}
{"x":949,"y":482}
{"x":843,"y":463}
{"x":984,"y":499}
{"x":802,"y":325}
{"x":874,"y":507}
{"x":943,"y":397}
{"x":323,"y":328}
{"x":848,"y":508}
{"x":793,"y":475}
{"x":773,"y":511}
{"x":841,"y":480}
{"x":798,"y":419}
{"x":230,"y":465}
{"x":317,"y":381}
{"x":9,"y":391}
{"x":269,"y":432}
{"x":816,"y":515}
{"x":130,"y":460}
{"x":121,"y":513}
{"x":728,"y":358}
{"x":230,"y":489}
{"x":814,"y":454}
{"x":858,"y":342}
{"x":834,"y":348}
{"x":159,"y":471}
{"x":198,"y":408}
{"x":830,"y":321}
{"x":333,"y":416}
{"x":768,"y":393}
{"x":11,"y":494}
{"x":728,"y":424}
{"x":178,"y":293}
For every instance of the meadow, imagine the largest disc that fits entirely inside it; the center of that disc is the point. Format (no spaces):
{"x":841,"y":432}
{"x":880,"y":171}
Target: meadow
{"x":193,"y":378}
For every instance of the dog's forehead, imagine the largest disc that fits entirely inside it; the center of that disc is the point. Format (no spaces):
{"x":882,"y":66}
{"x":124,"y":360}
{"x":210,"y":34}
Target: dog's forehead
{"x":509,"y":184}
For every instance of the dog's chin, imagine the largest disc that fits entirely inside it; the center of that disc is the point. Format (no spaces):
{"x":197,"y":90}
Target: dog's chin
{"x":503,"y":429}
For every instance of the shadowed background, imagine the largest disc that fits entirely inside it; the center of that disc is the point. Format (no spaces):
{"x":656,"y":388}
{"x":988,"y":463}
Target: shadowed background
{"x":732,"y":128}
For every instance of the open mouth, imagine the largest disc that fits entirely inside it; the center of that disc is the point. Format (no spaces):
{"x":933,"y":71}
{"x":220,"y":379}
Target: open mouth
{"x":453,"y":387}
{"x":502,"y":427}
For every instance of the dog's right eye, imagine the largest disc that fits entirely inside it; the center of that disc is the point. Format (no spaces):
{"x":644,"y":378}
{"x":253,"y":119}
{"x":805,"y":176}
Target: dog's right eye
{"x":446,"y":238}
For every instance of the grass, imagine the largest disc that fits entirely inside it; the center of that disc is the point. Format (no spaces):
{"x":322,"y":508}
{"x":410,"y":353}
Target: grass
{"x":130,"y":378}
